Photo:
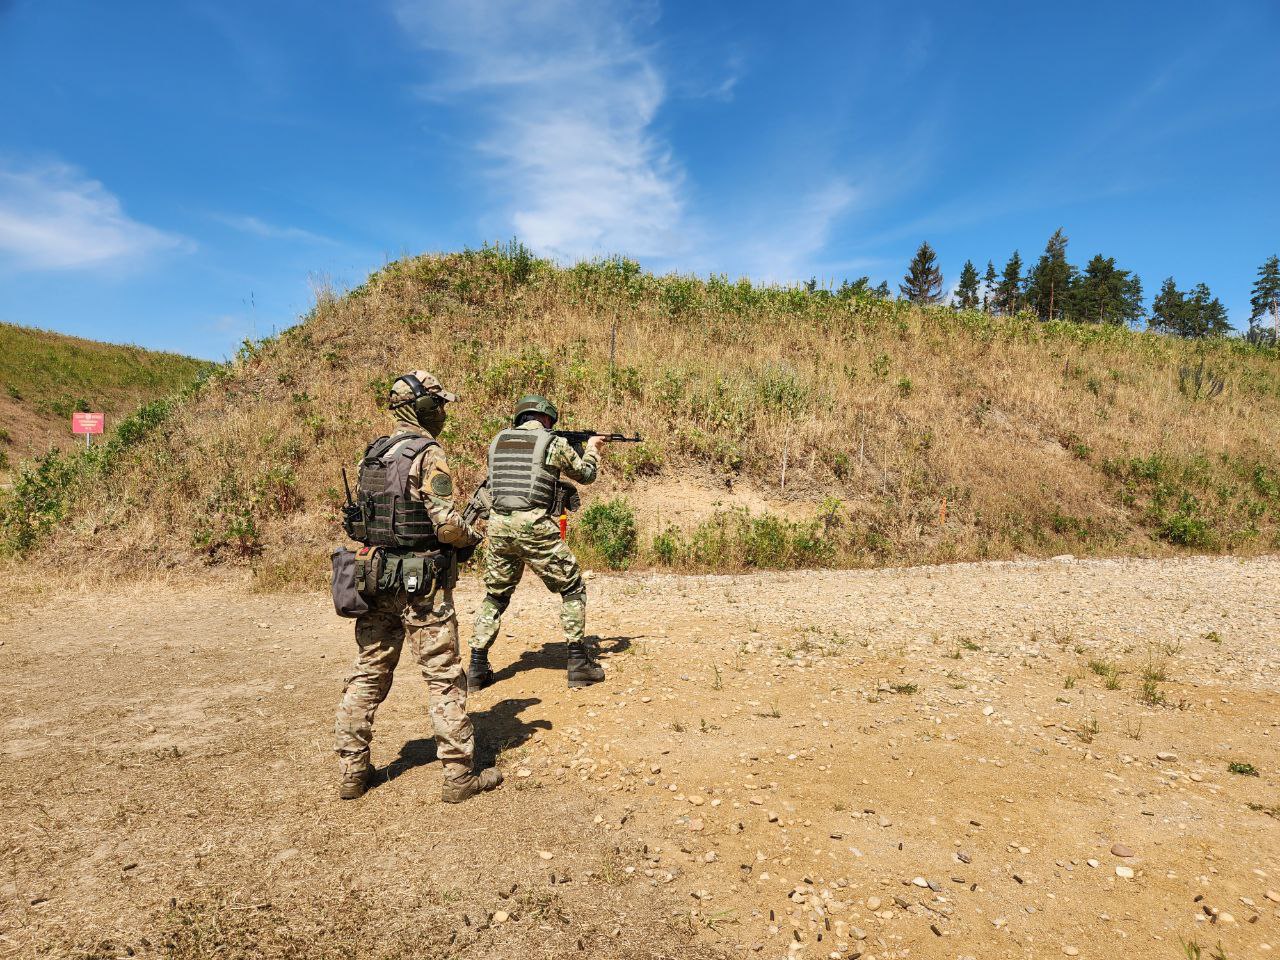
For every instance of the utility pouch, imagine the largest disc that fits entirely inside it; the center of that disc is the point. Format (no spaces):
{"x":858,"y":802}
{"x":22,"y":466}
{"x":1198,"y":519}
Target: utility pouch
{"x":369,"y":563}
{"x":347,"y":599}
{"x":416,"y":574}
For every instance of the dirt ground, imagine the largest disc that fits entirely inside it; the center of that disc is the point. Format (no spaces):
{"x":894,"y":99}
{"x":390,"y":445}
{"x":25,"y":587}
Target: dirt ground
{"x":931,"y":762}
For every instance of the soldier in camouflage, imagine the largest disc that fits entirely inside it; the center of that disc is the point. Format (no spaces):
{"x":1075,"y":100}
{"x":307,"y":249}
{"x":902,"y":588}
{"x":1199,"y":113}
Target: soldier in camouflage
{"x":425,"y":617}
{"x":525,"y":464}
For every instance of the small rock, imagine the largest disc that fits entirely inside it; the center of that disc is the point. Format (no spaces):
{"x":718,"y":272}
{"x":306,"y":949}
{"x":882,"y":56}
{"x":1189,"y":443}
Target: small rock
{"x":545,"y":854}
{"x":1124,"y":873}
{"x":1071,"y":951}
{"x":1120,"y":850}
{"x":873,"y":903}
{"x":501,"y":916}
{"x":697,"y":801}
{"x":920,"y":882}
{"x":522,"y":773}
{"x":1092,"y":862}
{"x":1272,"y":896}
{"x":988,"y":711}
{"x":1166,"y":757}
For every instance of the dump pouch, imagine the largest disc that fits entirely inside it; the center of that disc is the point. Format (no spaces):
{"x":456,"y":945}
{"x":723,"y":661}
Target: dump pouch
{"x":347,"y":599}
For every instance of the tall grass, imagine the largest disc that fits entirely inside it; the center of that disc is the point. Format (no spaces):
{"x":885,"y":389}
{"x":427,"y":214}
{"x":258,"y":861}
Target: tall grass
{"x":939,"y":435}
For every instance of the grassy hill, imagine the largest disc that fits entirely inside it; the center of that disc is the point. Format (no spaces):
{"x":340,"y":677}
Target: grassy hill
{"x":784,"y":428}
{"x":46,"y":376}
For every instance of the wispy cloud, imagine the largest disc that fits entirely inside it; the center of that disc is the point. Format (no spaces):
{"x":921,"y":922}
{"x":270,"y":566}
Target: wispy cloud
{"x":569,"y":94}
{"x":790,"y":248}
{"x":260,"y":228}
{"x":53,"y":217}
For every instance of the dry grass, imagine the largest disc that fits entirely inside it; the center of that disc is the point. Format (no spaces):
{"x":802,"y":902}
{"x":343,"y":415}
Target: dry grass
{"x":910,"y":435}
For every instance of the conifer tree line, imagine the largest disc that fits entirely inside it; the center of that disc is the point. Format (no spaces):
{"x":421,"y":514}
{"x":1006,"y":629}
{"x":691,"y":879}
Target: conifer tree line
{"x":1053,"y":288}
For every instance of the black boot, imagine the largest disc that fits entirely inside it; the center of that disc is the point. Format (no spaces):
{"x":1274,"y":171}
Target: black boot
{"x":479,"y":673}
{"x":583,"y":671}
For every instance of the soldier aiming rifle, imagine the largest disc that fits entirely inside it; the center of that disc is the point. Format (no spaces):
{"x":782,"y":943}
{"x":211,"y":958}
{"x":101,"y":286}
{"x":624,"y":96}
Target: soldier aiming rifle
{"x":526,"y":492}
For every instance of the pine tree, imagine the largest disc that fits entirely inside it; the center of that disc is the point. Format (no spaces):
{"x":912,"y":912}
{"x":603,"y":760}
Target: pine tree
{"x":1194,"y":314}
{"x":967,"y":291}
{"x":882,"y":290}
{"x":923,"y":281}
{"x":1266,"y":303}
{"x":989,"y":287}
{"x":1168,"y":309}
{"x":1103,"y":294}
{"x":1008,"y":295}
{"x":1049,"y":282}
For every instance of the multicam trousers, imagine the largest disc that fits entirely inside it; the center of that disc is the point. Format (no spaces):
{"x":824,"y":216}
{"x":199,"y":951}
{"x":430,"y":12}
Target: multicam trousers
{"x":529,"y":537}
{"x":431,"y":626}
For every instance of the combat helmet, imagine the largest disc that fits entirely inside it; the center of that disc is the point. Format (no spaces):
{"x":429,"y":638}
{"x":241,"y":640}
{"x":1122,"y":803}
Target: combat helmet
{"x":421,"y":391}
{"x":533,"y":403}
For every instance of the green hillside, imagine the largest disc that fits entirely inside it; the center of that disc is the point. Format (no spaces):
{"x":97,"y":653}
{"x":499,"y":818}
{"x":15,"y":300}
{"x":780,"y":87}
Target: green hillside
{"x":45,"y":376}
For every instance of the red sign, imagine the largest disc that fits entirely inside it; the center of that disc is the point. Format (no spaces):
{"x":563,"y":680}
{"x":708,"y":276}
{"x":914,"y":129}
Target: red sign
{"x":87,"y":422}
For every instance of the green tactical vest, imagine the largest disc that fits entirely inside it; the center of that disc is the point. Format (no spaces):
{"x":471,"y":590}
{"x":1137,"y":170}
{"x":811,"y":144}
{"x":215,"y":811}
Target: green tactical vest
{"x":519,"y":477}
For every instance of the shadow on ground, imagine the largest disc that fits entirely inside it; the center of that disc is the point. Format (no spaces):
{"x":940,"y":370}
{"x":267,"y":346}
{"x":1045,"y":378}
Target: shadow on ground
{"x":555,"y":655}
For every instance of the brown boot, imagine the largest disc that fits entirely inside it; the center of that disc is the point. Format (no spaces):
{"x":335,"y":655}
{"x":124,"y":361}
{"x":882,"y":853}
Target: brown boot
{"x":457,"y":789}
{"x":356,"y":777}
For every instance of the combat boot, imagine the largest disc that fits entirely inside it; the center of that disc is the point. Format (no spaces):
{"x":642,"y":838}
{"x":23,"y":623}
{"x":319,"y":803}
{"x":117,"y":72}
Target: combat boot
{"x":583,"y":671}
{"x":355,"y":780}
{"x":479,"y":673}
{"x":457,"y":789}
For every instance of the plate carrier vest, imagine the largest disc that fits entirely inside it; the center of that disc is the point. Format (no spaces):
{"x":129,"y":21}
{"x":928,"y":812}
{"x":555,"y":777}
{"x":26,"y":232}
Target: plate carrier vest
{"x":519,"y":477}
{"x":392,"y":518}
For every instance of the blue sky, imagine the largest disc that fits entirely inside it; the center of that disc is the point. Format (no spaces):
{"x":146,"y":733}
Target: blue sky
{"x":180,"y":174}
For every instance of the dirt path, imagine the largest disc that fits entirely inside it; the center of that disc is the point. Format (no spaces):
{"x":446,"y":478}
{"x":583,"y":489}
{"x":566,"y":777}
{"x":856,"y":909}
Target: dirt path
{"x":933,"y":762}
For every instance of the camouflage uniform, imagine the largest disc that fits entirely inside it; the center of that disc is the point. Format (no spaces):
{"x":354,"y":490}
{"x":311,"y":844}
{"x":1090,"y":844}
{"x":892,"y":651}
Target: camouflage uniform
{"x":428,"y":621}
{"x":533,"y":537}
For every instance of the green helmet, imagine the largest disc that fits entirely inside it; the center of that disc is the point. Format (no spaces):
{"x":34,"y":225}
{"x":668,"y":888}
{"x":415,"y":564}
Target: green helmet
{"x":532,"y":403}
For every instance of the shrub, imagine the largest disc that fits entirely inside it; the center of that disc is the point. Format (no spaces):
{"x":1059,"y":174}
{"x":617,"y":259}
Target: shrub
{"x":609,"y":528}
{"x":735,"y":538}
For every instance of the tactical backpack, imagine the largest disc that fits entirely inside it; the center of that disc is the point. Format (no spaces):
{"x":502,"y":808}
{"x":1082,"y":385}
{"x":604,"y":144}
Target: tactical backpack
{"x":384,"y":515}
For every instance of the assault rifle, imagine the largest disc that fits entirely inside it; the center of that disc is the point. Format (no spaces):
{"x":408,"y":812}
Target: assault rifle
{"x":477,"y":509}
{"x":578,"y":438}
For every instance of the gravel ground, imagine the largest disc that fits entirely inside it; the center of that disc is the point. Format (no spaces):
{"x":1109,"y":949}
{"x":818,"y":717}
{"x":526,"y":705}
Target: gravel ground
{"x":1026,"y":759}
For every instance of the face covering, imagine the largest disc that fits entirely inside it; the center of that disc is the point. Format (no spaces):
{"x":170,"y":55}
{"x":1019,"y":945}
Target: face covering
{"x":433,"y":422}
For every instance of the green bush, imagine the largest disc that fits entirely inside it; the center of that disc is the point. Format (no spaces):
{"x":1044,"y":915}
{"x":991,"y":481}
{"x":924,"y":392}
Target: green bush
{"x":609,"y":528}
{"x":735,"y":538}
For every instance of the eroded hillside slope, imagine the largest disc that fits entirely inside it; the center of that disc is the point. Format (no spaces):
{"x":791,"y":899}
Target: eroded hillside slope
{"x":784,"y":427}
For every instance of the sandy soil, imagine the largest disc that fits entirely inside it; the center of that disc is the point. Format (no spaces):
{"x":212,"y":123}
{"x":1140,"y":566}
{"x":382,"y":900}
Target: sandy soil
{"x":934,"y":762}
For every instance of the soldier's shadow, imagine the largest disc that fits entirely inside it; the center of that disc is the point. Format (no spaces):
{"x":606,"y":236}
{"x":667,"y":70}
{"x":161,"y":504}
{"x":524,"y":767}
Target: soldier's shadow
{"x":498,"y":728}
{"x":554,"y":656}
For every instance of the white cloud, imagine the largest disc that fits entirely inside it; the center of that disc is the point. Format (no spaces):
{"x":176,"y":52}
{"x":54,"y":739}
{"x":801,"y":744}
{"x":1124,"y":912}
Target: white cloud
{"x":260,"y":228}
{"x":569,"y":95}
{"x":785,"y":240}
{"x":53,"y":217}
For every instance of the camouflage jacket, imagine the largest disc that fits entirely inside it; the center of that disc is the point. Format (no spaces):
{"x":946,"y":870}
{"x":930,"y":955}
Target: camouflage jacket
{"x":561,"y":456}
{"x":431,"y":481}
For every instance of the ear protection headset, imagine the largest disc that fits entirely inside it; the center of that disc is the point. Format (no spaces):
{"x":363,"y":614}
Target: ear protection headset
{"x":424,"y":402}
